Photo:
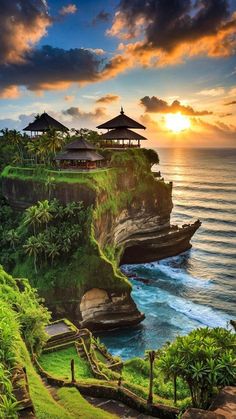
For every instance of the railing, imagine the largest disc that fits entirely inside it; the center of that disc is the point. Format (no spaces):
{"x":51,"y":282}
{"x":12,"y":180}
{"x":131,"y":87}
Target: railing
{"x":112,"y":145}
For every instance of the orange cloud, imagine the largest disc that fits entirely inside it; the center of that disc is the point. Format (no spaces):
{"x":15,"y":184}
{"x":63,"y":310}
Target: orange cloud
{"x":170,"y":36}
{"x":10,"y":92}
{"x":21,"y":28}
{"x":109,"y":98}
{"x":70,"y":9}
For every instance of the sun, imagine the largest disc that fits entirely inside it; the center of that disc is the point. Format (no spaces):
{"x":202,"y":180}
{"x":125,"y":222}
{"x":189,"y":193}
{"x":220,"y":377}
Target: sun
{"x":177,"y":122}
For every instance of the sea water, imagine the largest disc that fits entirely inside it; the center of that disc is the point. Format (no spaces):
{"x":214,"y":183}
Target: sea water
{"x":198,"y":287}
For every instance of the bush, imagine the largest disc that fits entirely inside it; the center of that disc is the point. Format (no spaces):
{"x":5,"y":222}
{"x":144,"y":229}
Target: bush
{"x":205,"y":360}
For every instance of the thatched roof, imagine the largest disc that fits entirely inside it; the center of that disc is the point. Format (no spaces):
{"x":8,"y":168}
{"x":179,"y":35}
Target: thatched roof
{"x":80,"y":149}
{"x":80,"y":144}
{"x":122,"y":134}
{"x":44,"y":122}
{"x":121,"y":121}
{"x":80,"y":155}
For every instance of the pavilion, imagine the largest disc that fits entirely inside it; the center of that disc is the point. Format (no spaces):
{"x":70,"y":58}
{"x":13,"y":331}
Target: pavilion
{"x":43,"y":123}
{"x":79,"y":154}
{"x":119,"y":134}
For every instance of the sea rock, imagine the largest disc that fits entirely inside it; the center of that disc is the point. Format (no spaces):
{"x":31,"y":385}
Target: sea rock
{"x":102,"y":310}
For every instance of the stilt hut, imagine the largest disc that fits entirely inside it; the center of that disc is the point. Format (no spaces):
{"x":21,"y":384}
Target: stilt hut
{"x":43,"y":123}
{"x":79,"y":154}
{"x":119,"y":134}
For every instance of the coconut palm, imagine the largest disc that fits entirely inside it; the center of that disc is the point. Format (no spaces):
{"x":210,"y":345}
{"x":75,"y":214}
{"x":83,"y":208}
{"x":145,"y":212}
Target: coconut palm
{"x":32,"y":217}
{"x":53,"y":250}
{"x":53,"y":141}
{"x":33,"y":248}
{"x":12,"y":237}
{"x":44,"y":212}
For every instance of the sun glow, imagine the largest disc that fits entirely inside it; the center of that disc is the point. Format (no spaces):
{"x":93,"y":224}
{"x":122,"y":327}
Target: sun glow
{"x":177,"y":122}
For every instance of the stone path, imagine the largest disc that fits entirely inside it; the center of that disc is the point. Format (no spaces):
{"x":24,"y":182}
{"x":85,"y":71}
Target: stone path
{"x":118,"y":408}
{"x":54,"y":329}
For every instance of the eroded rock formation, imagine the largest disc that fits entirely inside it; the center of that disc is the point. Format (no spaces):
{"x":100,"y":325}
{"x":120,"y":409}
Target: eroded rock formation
{"x":130,"y":224}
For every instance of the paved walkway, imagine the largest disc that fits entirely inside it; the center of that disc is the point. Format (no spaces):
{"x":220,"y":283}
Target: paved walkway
{"x":118,"y":408}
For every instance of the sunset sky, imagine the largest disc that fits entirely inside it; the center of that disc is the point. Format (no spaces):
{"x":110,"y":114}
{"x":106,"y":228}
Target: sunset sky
{"x":81,"y":60}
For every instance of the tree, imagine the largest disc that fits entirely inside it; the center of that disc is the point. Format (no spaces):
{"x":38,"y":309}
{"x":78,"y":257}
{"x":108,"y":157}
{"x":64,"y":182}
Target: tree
{"x":12,"y":237}
{"x":44,"y":212}
{"x":33,"y":248}
{"x":205,"y":360}
{"x":151,"y":156}
{"x":31,"y":217}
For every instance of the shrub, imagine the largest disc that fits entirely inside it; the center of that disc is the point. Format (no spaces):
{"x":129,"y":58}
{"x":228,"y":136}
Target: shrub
{"x":205,"y":360}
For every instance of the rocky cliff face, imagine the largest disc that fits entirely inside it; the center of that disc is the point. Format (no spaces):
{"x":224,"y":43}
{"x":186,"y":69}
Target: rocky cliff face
{"x":130,"y":224}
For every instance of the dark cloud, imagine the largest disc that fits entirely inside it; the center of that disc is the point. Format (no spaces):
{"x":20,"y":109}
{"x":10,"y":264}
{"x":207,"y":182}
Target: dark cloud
{"x":153,"y":104}
{"x":176,"y":27}
{"x":231,"y":103}
{"x":18,"y":123}
{"x":79,"y":115}
{"x":109,"y":98}
{"x":224,"y":115}
{"x":102,"y":16}
{"x":22,"y":24}
{"x":51,"y":68}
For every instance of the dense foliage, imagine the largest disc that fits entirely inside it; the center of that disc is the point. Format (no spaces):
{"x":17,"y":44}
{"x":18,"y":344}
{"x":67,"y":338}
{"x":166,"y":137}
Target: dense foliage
{"x":21,"y":149}
{"x":21,"y":316}
{"x":205,"y":360}
{"x":45,"y":232}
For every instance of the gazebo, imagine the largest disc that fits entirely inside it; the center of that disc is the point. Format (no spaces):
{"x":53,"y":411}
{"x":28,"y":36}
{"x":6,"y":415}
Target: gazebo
{"x":43,"y":123}
{"x":80,"y":154}
{"x":119,"y":134}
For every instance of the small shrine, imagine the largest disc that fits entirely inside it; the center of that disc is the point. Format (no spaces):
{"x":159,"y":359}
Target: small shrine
{"x":43,"y":123}
{"x":79,"y":154}
{"x":119,"y":134}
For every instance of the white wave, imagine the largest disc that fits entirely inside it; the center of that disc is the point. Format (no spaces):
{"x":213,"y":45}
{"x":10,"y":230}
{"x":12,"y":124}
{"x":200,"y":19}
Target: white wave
{"x":172,"y":273}
{"x":149,"y":298}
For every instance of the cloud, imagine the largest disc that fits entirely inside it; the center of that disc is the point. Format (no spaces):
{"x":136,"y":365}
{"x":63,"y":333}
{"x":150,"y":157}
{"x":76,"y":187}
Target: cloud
{"x":217,"y":91}
{"x":70,"y":9}
{"x":22,"y":24}
{"x":69,"y":98}
{"x":81,"y":116}
{"x":153,"y":104}
{"x":102,"y":16}
{"x":109,"y":98}
{"x":52,"y":68}
{"x":230,"y":103}
{"x":10,"y":92}
{"x":166,"y":31}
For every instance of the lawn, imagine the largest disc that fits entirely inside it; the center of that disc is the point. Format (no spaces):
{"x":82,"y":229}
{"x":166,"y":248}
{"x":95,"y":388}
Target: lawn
{"x":58,"y":364}
{"x":71,"y":399}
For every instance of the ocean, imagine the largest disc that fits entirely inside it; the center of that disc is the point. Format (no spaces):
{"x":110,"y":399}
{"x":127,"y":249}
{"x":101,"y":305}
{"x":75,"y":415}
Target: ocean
{"x":198,"y":287}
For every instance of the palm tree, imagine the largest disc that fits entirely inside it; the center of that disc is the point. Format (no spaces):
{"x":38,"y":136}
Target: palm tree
{"x":32,"y":217}
{"x":13,"y":238}
{"x":44,"y":212}
{"x":53,"y":141}
{"x":53,"y":251}
{"x":33,"y":248}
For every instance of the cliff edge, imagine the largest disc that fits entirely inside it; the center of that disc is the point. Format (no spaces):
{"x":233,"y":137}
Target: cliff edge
{"x":130,"y":223}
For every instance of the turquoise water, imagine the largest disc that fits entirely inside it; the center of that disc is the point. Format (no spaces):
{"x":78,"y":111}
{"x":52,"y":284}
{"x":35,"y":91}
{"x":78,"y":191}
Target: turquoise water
{"x":198,"y":287}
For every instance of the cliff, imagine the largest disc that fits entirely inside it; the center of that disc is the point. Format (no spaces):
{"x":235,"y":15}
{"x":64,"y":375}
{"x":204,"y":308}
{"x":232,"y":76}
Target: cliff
{"x":130,"y":223}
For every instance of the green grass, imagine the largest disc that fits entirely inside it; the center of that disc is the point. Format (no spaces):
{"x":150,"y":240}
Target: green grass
{"x":100,"y":357}
{"x":72,"y":400}
{"x":58,"y":364}
{"x":44,"y":404}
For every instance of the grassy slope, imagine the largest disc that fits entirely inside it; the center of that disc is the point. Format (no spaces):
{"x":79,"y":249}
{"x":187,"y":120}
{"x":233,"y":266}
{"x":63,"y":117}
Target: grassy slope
{"x":79,"y":407}
{"x":58,"y":364}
